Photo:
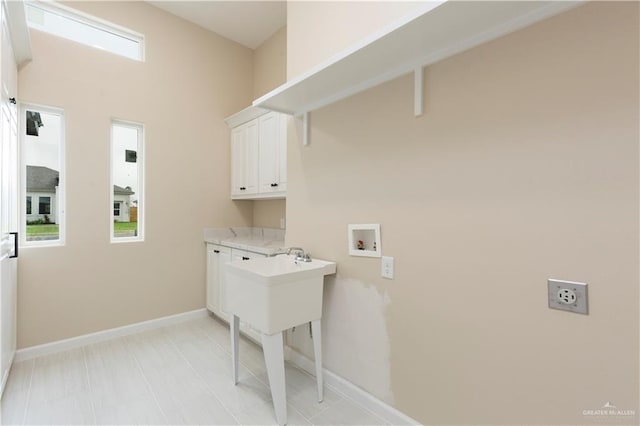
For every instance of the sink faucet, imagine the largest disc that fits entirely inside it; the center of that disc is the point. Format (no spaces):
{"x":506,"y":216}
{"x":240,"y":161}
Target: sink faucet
{"x":300,"y":256}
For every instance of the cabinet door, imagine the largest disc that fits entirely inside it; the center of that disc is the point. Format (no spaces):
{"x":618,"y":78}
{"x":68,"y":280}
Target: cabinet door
{"x":217,"y":258}
{"x":282,"y":151}
{"x":238,"y":165}
{"x":272,"y":153}
{"x":251,"y":156}
{"x":244,"y":160}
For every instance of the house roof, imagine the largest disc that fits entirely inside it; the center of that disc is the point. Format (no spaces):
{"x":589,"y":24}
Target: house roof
{"x":44,"y":179}
{"x":118,"y":190}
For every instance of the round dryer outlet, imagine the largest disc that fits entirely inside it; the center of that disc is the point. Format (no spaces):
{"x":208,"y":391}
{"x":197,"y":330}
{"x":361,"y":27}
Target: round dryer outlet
{"x":566,"y":296}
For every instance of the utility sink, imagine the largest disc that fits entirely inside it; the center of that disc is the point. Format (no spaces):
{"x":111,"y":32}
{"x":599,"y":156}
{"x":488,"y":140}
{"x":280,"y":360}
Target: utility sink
{"x":273,"y":294}
{"x":276,"y":293}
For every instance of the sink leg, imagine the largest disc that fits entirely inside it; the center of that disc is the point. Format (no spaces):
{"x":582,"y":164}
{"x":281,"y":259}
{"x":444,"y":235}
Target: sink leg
{"x":235,"y":328}
{"x":272,"y":345}
{"x":317,"y":350}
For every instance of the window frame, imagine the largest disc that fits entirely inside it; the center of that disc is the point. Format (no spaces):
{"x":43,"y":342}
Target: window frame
{"x":141,"y":182}
{"x":61,"y":204}
{"x":90,"y":21}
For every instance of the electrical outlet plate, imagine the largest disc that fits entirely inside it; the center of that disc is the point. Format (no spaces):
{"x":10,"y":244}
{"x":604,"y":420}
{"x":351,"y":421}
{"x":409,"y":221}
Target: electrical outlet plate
{"x":387,"y":267}
{"x":568,"y":296}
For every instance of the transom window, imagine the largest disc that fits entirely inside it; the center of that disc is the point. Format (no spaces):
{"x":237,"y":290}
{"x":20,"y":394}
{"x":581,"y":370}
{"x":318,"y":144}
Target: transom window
{"x":80,"y":27}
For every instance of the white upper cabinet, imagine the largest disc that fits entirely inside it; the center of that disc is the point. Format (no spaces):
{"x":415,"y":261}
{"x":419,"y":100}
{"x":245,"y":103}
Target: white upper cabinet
{"x":244,"y":160}
{"x":273,"y":154}
{"x":258,"y":154}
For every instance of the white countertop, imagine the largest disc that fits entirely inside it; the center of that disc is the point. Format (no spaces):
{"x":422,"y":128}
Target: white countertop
{"x":258,"y":240}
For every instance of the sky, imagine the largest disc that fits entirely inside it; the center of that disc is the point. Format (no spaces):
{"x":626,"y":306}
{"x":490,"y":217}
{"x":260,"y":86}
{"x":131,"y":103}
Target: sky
{"x":43,"y":150}
{"x":124,"y":174}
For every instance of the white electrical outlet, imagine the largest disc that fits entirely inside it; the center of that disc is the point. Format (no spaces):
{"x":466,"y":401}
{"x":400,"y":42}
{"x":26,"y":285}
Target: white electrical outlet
{"x":387,"y":267}
{"x":568,"y":296}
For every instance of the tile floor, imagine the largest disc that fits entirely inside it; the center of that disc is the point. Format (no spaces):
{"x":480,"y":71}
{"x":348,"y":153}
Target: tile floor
{"x":178,"y":375}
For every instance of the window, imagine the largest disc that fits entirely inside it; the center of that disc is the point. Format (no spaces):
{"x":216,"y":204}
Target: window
{"x":127,"y":182}
{"x":73,"y":25}
{"x":44,"y":206}
{"x":42,"y":156}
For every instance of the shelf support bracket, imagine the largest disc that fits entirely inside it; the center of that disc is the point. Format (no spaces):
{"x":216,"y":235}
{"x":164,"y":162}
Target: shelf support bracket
{"x":305,"y":129}
{"x":418,"y":91}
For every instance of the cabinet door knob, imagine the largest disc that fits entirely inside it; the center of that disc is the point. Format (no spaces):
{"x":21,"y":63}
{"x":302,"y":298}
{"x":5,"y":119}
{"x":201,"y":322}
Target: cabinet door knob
{"x":245,"y":258}
{"x":216,"y":251}
{"x":242,"y":188}
{"x":274,"y":185}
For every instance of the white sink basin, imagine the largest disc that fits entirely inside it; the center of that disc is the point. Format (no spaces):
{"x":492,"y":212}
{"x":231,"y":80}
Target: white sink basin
{"x":281,"y":268}
{"x":276,"y":293}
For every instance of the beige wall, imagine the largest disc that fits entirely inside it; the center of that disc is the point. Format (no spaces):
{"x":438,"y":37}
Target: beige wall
{"x":269,"y":72}
{"x":190,"y":81}
{"x":328,"y":27}
{"x":268,"y":213}
{"x":523,"y":167}
{"x":270,"y":63}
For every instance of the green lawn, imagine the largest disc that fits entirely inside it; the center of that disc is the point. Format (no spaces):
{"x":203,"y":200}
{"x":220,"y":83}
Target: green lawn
{"x":35,"y":230}
{"x":42,"y":229}
{"x":125,"y":226}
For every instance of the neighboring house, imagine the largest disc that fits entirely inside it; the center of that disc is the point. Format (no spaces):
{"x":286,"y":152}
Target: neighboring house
{"x":121,"y":203}
{"x":42,"y":196}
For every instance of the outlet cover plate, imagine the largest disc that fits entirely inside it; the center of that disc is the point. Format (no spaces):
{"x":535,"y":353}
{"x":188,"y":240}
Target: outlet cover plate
{"x":387,"y":267}
{"x":557,"y":295}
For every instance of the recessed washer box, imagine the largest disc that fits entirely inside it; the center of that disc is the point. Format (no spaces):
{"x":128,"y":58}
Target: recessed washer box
{"x":364,"y":240}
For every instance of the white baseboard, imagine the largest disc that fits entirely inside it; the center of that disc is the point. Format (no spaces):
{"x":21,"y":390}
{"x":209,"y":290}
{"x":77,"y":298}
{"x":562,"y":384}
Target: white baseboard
{"x":100,"y":336}
{"x":362,"y":397}
{"x":5,"y":377}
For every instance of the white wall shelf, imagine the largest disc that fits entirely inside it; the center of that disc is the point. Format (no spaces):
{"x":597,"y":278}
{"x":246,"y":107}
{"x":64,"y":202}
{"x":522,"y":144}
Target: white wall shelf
{"x":433,"y":32}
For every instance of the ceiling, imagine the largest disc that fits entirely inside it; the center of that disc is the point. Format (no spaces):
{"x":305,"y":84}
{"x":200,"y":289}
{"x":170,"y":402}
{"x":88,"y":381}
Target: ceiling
{"x":249,"y":23}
